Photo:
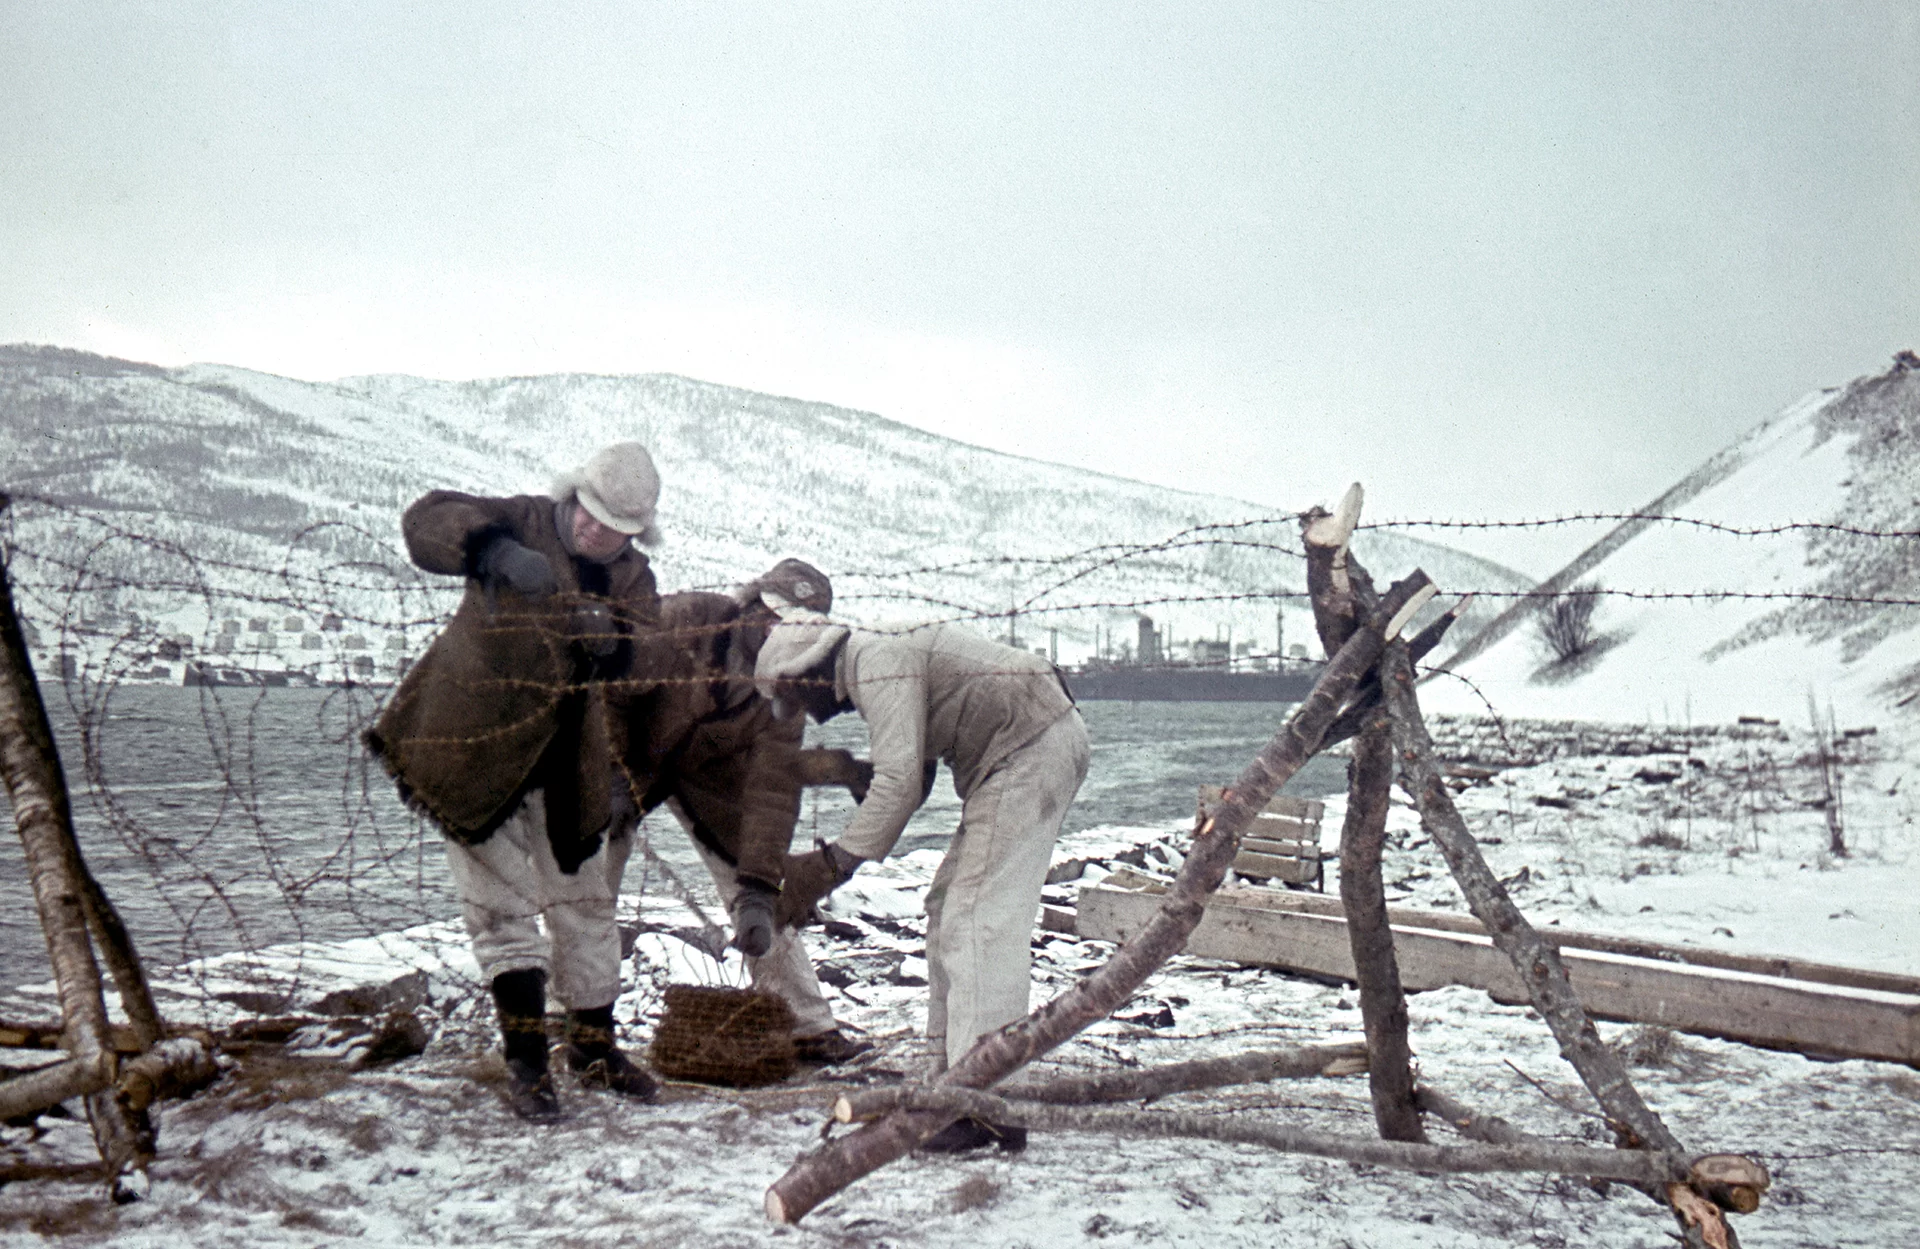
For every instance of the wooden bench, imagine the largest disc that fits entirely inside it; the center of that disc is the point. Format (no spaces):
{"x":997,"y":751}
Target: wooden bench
{"x":1283,"y":842}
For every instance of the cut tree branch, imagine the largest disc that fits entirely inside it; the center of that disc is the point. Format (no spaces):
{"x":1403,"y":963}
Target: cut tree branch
{"x":1255,"y":1067}
{"x":1537,"y":962}
{"x":1628,"y":1166}
{"x":1366,"y":697}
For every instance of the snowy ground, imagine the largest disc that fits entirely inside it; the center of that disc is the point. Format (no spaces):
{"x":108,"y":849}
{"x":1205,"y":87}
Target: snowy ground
{"x":1705,"y":837}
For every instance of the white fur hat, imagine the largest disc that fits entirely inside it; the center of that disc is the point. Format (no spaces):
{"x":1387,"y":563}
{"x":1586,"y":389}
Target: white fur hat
{"x":619,"y":488}
{"x":801,"y":642}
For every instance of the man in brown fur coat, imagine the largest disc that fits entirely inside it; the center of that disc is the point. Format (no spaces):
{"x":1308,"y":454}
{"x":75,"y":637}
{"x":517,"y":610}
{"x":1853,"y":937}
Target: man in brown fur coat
{"x":501,"y":735}
{"x":732,"y":774}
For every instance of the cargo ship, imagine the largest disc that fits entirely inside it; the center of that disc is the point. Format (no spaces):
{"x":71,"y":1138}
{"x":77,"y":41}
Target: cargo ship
{"x":1146,"y":673}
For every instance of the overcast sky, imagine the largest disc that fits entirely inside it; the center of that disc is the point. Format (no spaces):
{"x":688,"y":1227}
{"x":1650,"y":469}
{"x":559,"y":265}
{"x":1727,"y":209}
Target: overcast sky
{"x":1490,"y":259}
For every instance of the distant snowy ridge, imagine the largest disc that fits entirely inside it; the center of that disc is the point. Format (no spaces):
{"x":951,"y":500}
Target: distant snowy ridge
{"x":1848,"y":457}
{"x":232,"y":465}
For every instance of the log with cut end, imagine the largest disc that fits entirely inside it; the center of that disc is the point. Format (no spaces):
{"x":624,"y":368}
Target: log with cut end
{"x":1649,"y":1167}
{"x":173,"y":1068}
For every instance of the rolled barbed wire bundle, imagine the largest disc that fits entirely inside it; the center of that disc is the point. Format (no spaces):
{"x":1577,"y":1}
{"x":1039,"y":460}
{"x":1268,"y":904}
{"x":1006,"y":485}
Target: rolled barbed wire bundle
{"x":715,"y":1035}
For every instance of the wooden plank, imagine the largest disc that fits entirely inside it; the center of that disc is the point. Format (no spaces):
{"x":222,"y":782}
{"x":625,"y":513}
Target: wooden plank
{"x":1283,"y":849}
{"x":1574,"y":939}
{"x":1267,"y":828}
{"x":1758,"y":1009}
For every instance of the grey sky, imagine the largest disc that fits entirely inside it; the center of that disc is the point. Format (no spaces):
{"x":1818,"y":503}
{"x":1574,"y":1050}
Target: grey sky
{"x":1490,"y":259}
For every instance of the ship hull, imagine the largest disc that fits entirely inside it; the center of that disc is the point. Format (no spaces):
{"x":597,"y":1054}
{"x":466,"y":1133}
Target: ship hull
{"x":1191,"y":685}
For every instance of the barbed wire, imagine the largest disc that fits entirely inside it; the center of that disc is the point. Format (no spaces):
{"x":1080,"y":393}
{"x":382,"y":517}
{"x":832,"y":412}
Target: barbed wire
{"x":1576,"y":518}
{"x":245,"y":865}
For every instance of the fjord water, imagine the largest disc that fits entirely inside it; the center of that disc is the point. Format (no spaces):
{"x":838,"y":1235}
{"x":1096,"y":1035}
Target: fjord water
{"x":225,"y":818}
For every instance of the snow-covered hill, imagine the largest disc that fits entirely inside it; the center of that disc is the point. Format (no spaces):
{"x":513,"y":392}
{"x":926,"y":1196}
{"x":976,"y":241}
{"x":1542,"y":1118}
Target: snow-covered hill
{"x":1848,"y":459}
{"x":238,"y":467}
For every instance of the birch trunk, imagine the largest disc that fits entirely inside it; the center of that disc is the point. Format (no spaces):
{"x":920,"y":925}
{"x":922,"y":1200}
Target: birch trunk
{"x":30,"y":768}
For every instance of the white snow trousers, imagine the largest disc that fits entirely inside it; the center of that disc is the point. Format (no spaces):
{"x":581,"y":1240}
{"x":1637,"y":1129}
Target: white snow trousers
{"x":509,"y":882}
{"x":986,"y":892}
{"x":785,"y":970}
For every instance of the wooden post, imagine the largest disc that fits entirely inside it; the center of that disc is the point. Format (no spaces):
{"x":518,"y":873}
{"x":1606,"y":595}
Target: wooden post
{"x":1383,"y":1002}
{"x":30,"y":767}
{"x":1342,"y":591}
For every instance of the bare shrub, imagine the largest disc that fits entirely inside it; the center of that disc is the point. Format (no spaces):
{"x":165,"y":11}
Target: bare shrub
{"x":973,"y":1192}
{"x":1566,"y":626}
{"x":1649,"y":1045}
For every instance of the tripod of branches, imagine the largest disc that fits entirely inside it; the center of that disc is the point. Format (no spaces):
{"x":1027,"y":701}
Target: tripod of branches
{"x":1366,"y":692}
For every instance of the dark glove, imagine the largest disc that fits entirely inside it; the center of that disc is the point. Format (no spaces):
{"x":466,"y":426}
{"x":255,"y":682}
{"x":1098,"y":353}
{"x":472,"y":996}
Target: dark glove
{"x":593,"y":627}
{"x":625,"y":812}
{"x":861,"y":781}
{"x":752,"y":913}
{"x":505,"y":564}
{"x":810,"y":877}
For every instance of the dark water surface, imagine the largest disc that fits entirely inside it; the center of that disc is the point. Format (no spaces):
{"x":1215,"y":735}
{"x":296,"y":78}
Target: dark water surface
{"x":220,"y":819}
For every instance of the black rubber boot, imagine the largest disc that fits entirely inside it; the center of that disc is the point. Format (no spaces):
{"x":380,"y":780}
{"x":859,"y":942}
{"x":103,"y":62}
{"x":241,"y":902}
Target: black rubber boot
{"x":592,"y":1055}
{"x":520,"y":999}
{"x":966,"y":1134}
{"x":829,"y":1049}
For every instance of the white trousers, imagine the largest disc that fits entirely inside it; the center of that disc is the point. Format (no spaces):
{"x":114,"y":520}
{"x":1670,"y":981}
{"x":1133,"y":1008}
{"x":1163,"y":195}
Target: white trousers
{"x":986,"y":893}
{"x":785,"y":970}
{"x":510,"y":882}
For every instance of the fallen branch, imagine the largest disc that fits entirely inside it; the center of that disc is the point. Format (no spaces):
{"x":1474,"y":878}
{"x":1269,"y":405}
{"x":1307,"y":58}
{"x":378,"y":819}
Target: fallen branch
{"x":170,"y":1069}
{"x":51,"y":1085}
{"x":44,"y":1034}
{"x":1490,"y":1129}
{"x":831,"y":1168}
{"x":1627,"y":1166}
{"x":1255,"y":1067}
